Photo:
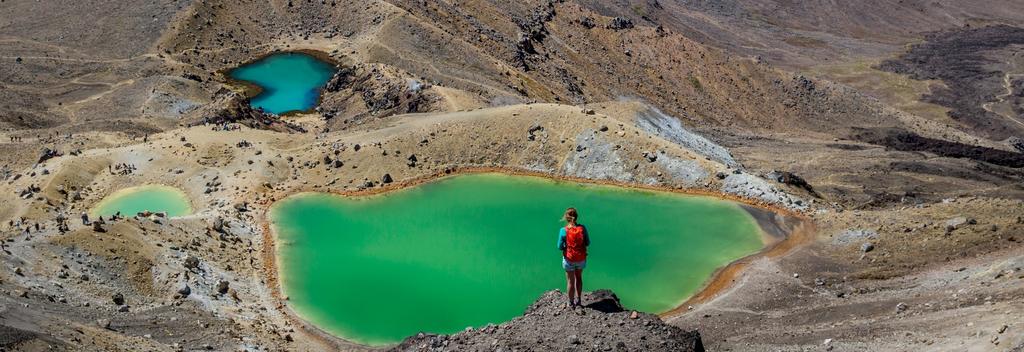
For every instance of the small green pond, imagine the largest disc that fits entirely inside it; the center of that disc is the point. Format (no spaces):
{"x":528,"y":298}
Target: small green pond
{"x":154,"y":198}
{"x":476,"y":249}
{"x":289,"y":81}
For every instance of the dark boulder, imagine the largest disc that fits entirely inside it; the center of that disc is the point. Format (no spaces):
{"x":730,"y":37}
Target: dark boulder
{"x":605,"y":301}
{"x":1017,"y":143}
{"x":48,"y":154}
{"x":867,"y":247}
{"x":222,"y":286}
{"x":587,"y":22}
{"x":789,"y":178}
{"x":651,"y":156}
{"x":118,"y":299}
{"x":184,"y":290}
{"x":218,"y":224}
{"x":531,"y":134}
{"x":620,"y":23}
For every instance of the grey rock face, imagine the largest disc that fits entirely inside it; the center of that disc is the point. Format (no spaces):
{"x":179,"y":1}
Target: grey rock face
{"x":669,"y":128}
{"x":853,"y":236}
{"x":751,"y":186}
{"x":685,"y":171}
{"x":595,"y":158}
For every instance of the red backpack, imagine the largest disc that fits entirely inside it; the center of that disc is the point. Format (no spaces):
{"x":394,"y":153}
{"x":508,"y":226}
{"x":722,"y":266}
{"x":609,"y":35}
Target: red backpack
{"x":575,"y":244}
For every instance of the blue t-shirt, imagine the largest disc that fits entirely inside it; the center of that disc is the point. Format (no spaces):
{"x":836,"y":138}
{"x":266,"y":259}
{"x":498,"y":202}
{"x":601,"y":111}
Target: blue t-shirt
{"x":561,"y":238}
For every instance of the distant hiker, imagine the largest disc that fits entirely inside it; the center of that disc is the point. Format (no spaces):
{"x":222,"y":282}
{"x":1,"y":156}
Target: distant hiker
{"x":573,"y":241}
{"x":85,"y":218}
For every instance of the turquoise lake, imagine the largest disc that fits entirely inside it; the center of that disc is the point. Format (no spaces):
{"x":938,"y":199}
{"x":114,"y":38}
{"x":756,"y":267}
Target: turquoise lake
{"x":289,"y":81}
{"x":154,"y":198}
{"x":475,"y":249}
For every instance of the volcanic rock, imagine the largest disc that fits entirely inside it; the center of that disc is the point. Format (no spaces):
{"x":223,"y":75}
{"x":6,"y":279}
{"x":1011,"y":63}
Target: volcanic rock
{"x":184,"y":290}
{"x":118,"y":299}
{"x":651,"y":157}
{"x":531,"y":133}
{"x":620,"y":23}
{"x":1017,"y":143}
{"x":222,"y":286}
{"x":867,"y":247}
{"x":587,"y":22}
{"x":548,"y":325}
{"x":218,"y":224}
{"x":789,"y":178}
{"x":191,"y":263}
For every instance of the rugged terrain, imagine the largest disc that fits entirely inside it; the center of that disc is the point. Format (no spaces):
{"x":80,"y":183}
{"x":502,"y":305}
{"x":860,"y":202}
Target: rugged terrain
{"x":893,"y":126}
{"x":600,"y":324}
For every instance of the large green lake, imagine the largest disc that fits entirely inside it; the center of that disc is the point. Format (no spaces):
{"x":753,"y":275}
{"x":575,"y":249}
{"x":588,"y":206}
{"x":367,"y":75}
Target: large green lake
{"x":476,"y":249}
{"x":154,"y":198}
{"x":289,"y":81}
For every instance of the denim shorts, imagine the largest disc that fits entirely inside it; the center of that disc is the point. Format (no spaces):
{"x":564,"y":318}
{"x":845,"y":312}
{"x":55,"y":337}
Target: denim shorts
{"x":573,"y":266}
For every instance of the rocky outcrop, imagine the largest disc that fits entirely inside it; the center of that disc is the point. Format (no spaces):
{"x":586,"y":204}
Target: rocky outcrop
{"x":904,"y":140}
{"x":595,"y":158}
{"x":789,"y":178}
{"x":601,"y":324}
{"x":231,"y":107}
{"x":48,"y":154}
{"x":532,"y":32}
{"x":670,"y":128}
{"x":1017,"y":143}
{"x":620,"y":23}
{"x":686,"y":172}
{"x":358,"y":93}
{"x":750,"y":186}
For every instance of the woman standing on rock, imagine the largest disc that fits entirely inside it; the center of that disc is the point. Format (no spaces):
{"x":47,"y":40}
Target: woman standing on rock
{"x":573,"y":241}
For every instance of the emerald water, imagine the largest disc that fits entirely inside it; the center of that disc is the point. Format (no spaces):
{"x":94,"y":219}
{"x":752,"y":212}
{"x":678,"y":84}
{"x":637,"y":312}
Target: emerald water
{"x":290,"y":81}
{"x":154,"y":198}
{"x":476,"y":249}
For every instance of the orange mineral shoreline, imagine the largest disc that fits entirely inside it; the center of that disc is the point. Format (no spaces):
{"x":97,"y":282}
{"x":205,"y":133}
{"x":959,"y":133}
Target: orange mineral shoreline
{"x":720,"y":280}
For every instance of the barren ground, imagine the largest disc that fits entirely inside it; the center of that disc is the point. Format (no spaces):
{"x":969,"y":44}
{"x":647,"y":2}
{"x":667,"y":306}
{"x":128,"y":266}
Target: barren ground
{"x":895,"y":129}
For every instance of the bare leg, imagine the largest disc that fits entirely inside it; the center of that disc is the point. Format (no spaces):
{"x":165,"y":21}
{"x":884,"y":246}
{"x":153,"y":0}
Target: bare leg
{"x":579,"y":286}
{"x":570,"y":288}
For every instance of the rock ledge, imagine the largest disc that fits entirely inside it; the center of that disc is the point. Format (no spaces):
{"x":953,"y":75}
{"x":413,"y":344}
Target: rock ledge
{"x":602,"y":324}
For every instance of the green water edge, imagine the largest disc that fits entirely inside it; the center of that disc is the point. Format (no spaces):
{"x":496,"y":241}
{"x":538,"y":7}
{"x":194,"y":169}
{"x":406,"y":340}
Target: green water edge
{"x":287,"y":81}
{"x":155,"y":198}
{"x":450,"y":272}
